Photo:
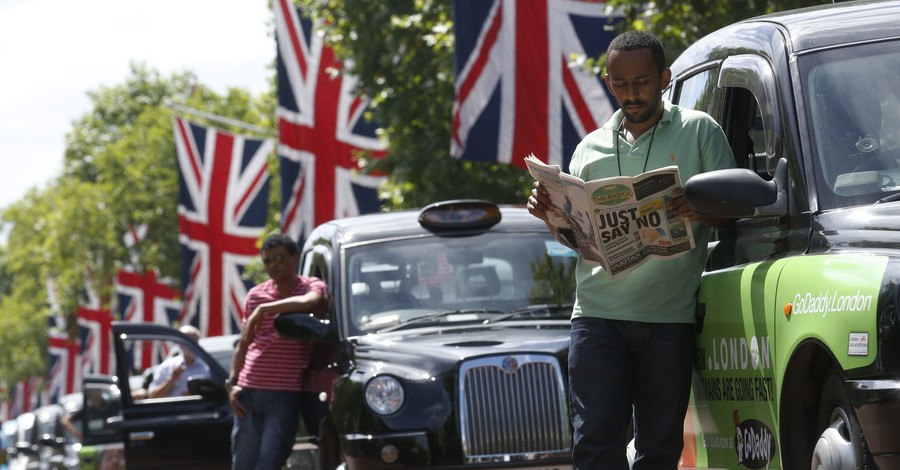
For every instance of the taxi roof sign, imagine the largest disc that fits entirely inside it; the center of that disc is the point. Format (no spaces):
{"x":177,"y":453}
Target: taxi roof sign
{"x":459,"y":214}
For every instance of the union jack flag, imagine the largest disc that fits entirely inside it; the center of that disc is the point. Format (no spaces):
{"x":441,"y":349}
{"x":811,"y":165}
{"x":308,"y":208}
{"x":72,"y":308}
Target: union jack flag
{"x":517,"y":91}
{"x":64,"y":368}
{"x":26,"y":396}
{"x":95,"y":327}
{"x":145,"y":299}
{"x":5,"y":405}
{"x":321,"y":126}
{"x":223,"y":202}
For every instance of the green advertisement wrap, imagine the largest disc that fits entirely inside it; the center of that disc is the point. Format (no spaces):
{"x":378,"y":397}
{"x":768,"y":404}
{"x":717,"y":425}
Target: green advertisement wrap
{"x":756,"y":316}
{"x":102,"y":457}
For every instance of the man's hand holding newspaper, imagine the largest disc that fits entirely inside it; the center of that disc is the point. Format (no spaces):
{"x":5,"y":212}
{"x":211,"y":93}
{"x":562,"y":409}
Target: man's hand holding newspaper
{"x":617,"y":222}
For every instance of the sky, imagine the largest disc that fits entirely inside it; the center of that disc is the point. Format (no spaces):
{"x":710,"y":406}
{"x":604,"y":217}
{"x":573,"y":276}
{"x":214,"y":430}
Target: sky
{"x":52,"y":52}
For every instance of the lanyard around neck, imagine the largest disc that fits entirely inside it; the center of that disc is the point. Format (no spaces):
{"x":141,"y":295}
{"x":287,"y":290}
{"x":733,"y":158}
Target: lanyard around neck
{"x":649,"y":146}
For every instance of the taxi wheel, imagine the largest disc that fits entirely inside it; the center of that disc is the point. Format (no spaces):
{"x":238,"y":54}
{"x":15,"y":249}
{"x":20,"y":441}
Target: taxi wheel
{"x":840,"y":444}
{"x":330,"y":456}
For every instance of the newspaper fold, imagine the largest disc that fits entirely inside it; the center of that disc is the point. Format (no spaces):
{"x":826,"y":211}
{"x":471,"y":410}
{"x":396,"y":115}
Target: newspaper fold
{"x":618,"y":222}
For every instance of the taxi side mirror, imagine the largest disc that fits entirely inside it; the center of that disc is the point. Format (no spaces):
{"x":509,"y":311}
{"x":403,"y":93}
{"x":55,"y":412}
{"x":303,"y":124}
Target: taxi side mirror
{"x":303,"y":327}
{"x":208,"y":389}
{"x":738,"y":192}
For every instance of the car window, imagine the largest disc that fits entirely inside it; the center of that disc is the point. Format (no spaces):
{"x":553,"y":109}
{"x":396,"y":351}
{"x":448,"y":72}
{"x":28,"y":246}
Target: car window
{"x":698,"y":91}
{"x":852,"y":99}
{"x":102,"y":409}
{"x":738,"y":111}
{"x":152,"y":358}
{"x":221,"y":348}
{"x":396,"y":281}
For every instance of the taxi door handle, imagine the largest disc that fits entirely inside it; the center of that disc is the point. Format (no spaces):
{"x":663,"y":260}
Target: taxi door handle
{"x":141,"y":436}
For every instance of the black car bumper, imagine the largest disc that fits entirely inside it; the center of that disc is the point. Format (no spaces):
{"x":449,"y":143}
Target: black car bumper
{"x":877,"y":405}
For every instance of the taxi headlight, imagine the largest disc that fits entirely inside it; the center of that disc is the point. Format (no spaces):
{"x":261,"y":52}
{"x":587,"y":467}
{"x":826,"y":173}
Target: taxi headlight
{"x":384,"y":395}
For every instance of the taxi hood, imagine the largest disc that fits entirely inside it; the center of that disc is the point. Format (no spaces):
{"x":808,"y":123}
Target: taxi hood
{"x":434,"y":351}
{"x":875,"y":226}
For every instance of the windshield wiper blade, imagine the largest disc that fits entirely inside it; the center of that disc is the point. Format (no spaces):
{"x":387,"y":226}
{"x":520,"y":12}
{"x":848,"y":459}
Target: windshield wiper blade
{"x":891,"y":198}
{"x":432,"y":316}
{"x":530,"y":309}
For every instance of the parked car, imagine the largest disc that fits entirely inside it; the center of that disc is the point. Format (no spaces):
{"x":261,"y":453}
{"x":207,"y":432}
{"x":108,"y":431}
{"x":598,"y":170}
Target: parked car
{"x":221,"y":348}
{"x":50,"y":437}
{"x":68,"y":458}
{"x":799,"y":355}
{"x":7,"y":443}
{"x":194,"y":431}
{"x":26,"y":443}
{"x":450,"y":332}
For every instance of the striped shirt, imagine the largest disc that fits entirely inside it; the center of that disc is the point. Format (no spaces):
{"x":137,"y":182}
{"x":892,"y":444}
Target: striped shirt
{"x":272,"y":362}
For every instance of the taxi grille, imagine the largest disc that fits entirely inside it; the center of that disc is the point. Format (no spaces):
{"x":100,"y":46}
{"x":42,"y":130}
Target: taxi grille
{"x":513,"y":408}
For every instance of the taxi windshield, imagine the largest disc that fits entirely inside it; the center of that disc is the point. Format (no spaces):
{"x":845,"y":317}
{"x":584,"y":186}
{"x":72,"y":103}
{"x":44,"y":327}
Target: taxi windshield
{"x":454,"y":279}
{"x":852,"y":99}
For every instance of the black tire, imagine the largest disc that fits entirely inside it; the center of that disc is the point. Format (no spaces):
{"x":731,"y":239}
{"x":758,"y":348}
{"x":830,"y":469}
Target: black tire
{"x":330,"y":456}
{"x":840,"y":444}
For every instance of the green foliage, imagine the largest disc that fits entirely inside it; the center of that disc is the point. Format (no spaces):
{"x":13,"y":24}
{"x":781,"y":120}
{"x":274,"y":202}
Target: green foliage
{"x":119,"y":169}
{"x":23,"y":308}
{"x":402,"y":53}
{"x":559,"y":284}
{"x":679,"y":23}
{"x":120,"y":164}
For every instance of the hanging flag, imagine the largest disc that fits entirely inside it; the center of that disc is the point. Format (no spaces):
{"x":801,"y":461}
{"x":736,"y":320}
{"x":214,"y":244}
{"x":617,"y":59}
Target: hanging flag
{"x":17,"y":398}
{"x":517,"y":90}
{"x":26,"y":396}
{"x":144,"y":298}
{"x":134,"y":235}
{"x":64,"y":374}
{"x":95,"y":327}
{"x":6,"y":412}
{"x":321,"y":126}
{"x":223,"y":202}
{"x":64,"y":352}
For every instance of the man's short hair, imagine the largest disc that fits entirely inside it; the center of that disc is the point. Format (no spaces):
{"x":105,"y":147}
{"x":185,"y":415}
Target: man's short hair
{"x":633,"y":40}
{"x":279,"y":239}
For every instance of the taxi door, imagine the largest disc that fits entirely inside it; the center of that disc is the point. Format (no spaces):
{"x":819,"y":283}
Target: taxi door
{"x":734,"y":415}
{"x":188,"y":431}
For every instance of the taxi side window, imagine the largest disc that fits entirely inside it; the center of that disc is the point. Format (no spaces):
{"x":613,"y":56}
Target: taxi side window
{"x":699,"y":92}
{"x":102,"y":410}
{"x":743,"y":125}
{"x":152,"y":361}
{"x":738,"y":112}
{"x":315,"y":263}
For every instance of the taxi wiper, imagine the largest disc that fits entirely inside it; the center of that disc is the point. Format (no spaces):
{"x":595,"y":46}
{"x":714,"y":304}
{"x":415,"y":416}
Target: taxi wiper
{"x":891,"y":198}
{"x":532,"y":310}
{"x":432,"y":316}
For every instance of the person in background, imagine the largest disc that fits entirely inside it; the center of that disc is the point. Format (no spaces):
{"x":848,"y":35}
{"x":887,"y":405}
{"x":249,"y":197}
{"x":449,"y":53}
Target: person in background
{"x":272,"y":382}
{"x":633,"y":338}
{"x":172,"y":376}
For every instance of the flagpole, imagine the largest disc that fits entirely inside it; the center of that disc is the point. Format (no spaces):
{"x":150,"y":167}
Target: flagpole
{"x":221,"y":119}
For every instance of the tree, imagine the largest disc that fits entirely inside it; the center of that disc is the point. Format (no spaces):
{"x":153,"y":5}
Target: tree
{"x":119,"y":169}
{"x":678,"y":23}
{"x":23,"y":302}
{"x":402,"y":53}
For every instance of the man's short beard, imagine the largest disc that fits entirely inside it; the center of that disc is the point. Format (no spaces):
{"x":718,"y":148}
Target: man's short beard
{"x":641,"y":118}
{"x":648,"y":113}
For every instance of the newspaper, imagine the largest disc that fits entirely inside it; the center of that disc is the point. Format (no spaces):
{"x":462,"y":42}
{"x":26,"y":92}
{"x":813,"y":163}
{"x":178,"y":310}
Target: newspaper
{"x":618,"y":222}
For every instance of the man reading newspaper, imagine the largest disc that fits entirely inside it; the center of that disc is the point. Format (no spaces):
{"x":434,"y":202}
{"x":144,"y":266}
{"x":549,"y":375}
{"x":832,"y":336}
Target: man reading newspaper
{"x":633,"y":336}
{"x":617,"y":222}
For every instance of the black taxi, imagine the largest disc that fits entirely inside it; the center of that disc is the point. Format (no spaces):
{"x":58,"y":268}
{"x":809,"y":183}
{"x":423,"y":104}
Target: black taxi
{"x":450,"y":327}
{"x":798,"y":359}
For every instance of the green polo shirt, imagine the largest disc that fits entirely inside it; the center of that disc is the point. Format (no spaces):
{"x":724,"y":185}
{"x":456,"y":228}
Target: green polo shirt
{"x":658,"y":291}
